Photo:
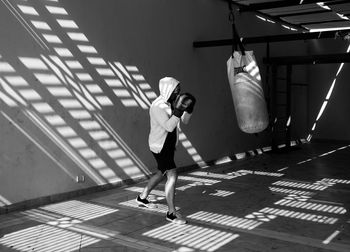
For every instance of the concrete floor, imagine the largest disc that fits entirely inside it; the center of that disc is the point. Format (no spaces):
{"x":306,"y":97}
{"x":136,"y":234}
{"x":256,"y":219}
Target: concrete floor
{"x":288,"y":201}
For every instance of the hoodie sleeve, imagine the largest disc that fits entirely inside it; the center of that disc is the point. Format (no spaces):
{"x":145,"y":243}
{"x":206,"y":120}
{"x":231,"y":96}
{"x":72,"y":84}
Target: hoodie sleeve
{"x":169,"y":124}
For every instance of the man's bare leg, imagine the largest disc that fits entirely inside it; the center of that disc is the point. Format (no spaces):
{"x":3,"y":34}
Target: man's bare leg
{"x":152,"y":183}
{"x":170,"y":189}
{"x":172,"y":215}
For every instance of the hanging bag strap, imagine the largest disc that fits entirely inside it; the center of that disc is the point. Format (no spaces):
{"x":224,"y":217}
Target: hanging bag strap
{"x":235,"y":37}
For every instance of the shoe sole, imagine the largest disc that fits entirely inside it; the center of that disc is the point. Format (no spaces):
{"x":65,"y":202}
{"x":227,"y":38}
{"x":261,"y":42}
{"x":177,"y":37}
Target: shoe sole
{"x":174,"y":221}
{"x":141,"y":204}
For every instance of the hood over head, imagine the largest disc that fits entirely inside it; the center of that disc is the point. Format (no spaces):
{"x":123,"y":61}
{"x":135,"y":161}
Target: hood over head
{"x":166,"y":87}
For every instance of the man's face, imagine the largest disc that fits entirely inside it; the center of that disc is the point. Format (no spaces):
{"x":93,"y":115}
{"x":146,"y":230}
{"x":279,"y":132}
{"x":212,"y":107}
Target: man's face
{"x":174,"y":94}
{"x":177,"y":90}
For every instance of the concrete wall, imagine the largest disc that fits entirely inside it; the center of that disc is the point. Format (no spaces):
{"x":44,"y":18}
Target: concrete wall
{"x":333,"y":122}
{"x":58,"y":125}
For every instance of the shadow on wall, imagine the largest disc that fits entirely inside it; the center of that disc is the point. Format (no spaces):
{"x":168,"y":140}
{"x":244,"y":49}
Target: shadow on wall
{"x":56,"y":93}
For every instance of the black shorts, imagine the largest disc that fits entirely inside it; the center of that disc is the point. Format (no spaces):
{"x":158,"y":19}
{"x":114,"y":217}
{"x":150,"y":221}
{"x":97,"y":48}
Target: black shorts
{"x":165,"y":158}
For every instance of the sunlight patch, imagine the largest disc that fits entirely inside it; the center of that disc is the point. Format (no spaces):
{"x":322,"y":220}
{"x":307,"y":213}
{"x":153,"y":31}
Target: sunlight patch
{"x":225,"y":220}
{"x":80,"y":210}
{"x":197,"y":237}
{"x":43,"y":238}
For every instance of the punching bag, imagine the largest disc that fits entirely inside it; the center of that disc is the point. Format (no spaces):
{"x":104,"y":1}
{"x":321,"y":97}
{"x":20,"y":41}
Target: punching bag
{"x":247,"y":93}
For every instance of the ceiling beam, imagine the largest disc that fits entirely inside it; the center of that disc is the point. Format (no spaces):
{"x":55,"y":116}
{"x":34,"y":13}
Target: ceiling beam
{"x":270,"y":5}
{"x":266,"y":39}
{"x":284,"y":3}
{"x":272,"y":18}
{"x":325,"y":21}
{"x":303,"y":13}
{"x":309,"y":59}
{"x":337,"y":2}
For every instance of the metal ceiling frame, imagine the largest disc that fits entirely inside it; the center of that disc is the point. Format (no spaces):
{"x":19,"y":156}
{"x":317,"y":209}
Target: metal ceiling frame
{"x":305,"y":13}
{"x":279,"y":38}
{"x":308,"y":60}
{"x":272,"y":18}
{"x":274,"y":38}
{"x":284,"y":3}
{"x":258,"y":7}
{"x":323,"y":22}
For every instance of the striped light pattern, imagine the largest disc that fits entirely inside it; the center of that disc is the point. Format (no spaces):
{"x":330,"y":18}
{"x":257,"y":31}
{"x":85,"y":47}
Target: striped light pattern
{"x":126,"y":81}
{"x":200,"y":180}
{"x":196,"y":237}
{"x":221,"y":193}
{"x":43,"y":238}
{"x":311,"y":206}
{"x":290,"y":191}
{"x":225,"y":220}
{"x":299,"y":215}
{"x":140,"y":189}
{"x":79,"y":210}
{"x":160,"y":208}
{"x":212,"y":175}
{"x":300,"y":185}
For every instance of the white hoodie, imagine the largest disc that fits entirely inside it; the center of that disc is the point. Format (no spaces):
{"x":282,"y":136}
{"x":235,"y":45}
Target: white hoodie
{"x":161,"y":119}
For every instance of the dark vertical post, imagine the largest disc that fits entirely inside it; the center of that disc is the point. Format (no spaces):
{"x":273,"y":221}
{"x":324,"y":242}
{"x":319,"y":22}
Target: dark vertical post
{"x":308,"y":108}
{"x":268,"y":92}
{"x":273,"y":105}
{"x":288,"y":104}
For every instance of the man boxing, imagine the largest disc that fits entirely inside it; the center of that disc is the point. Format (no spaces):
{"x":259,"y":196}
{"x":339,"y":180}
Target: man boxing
{"x":165,"y":114}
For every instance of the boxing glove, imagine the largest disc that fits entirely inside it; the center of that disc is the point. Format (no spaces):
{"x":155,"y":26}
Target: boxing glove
{"x":181,"y":104}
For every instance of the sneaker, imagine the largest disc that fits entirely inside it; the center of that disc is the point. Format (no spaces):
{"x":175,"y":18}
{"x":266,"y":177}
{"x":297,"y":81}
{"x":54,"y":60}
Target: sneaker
{"x":176,"y":218}
{"x":145,"y":202}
